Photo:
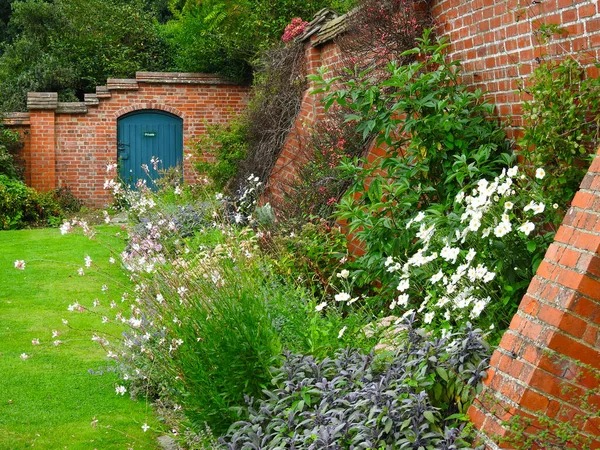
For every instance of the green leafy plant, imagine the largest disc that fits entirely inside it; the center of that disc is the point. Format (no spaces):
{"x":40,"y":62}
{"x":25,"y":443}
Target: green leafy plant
{"x":439,"y":137}
{"x":354,"y":400}
{"x":561,"y":115}
{"x":221,"y":148}
{"x":10,"y":144}
{"x":21,"y":205}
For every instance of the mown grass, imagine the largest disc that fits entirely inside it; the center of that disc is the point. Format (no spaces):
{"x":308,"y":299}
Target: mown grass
{"x":50,"y":400}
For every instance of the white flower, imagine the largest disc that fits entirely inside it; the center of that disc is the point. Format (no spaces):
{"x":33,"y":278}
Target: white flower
{"x":145,"y":427}
{"x":437,"y":277}
{"x":489,"y":277}
{"x":526,"y":228}
{"x":429,"y":317}
{"x":540,"y":173}
{"x":420,"y":216}
{"x":320,"y":306}
{"x":112,"y":260}
{"x":512,"y":171}
{"x":344,"y":274}
{"x":508,"y":205}
{"x":80,"y":271}
{"x":403,"y":299}
{"x":341,"y":333}
{"x":425,"y":233}
{"x":555,"y":206}
{"x":35,"y":342}
{"x":65,"y":227}
{"x":539,"y":208}
{"x":403,"y":285}
{"x":449,"y":253}
{"x":459,"y":197}
{"x":485,"y":233}
{"x":502,"y":229}
{"x":477,"y":308}
{"x":20,"y":264}
{"x":120,"y":390}
{"x":471,"y":255}
{"x":504,"y":187}
{"x":447,"y":315}
{"x":474,"y":224}
{"x":25,"y":356}
{"x":342,"y":297}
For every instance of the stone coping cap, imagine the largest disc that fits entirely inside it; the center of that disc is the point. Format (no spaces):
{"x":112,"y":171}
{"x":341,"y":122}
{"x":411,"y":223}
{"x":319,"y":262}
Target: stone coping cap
{"x":42,"y":100}
{"x":180,"y":77}
{"x":72,"y":108}
{"x":15,"y":118}
{"x":122,"y":84}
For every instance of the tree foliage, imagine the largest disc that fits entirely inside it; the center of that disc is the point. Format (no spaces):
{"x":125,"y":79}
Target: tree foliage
{"x":225,"y":37}
{"x":70,"y":46}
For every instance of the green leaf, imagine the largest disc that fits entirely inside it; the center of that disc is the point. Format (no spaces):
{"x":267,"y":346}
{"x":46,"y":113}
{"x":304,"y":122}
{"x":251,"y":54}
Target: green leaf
{"x":531,"y":246}
{"x":429,"y":416}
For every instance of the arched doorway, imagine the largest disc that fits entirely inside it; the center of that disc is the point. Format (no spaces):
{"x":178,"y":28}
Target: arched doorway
{"x":144,"y":134}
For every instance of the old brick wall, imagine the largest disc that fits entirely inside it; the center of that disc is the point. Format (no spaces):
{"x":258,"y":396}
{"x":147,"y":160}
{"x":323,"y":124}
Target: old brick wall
{"x":69,"y":144}
{"x":539,"y":369}
{"x":295,"y":151}
{"x":498,"y":42}
{"x":546,"y":364}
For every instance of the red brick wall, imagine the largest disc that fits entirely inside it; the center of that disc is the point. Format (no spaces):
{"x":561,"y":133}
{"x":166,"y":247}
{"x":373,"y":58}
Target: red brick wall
{"x":72,"y":149}
{"x":560,"y":314}
{"x":496,"y":41}
{"x":295,"y":152}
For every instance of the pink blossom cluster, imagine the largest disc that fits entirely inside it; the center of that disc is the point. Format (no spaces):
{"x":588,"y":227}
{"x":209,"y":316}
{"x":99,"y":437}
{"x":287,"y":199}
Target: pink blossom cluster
{"x":295,"y":28}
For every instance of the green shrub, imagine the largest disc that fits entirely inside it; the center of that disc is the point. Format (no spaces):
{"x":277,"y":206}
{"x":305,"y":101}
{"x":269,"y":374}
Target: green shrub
{"x":414,"y":397}
{"x":21,"y":206}
{"x":10,"y":143}
{"x":561,"y":123}
{"x":440,"y":137}
{"x":225,"y":146}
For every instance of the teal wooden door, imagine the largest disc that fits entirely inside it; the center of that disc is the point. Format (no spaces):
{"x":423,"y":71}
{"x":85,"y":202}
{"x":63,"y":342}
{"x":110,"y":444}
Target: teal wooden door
{"x":146,"y":134}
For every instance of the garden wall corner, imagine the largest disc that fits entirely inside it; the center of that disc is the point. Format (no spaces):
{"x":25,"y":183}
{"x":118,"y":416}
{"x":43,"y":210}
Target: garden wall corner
{"x":545,"y":368}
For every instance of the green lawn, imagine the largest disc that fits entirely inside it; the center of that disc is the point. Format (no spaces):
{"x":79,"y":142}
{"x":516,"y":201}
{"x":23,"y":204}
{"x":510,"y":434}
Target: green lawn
{"x":50,"y":400}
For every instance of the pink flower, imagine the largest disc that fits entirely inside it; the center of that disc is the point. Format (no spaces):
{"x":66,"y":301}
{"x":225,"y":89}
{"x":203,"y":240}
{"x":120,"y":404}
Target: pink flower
{"x":295,"y":28}
{"x":20,"y":264}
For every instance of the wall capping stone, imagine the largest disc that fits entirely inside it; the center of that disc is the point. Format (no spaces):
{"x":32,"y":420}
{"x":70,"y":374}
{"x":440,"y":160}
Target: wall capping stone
{"x":123,"y":84}
{"x":16,"y":118}
{"x":102,"y":92}
{"x":180,"y":78}
{"x":91,"y":99}
{"x":42,"y":100}
{"x":72,"y":108}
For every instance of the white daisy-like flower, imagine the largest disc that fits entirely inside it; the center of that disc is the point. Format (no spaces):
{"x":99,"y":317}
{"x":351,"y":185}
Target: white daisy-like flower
{"x":342,"y":297}
{"x":540,"y":173}
{"x":512,"y":172}
{"x":320,"y":306}
{"x":344,"y":274}
{"x":120,"y":390}
{"x":508,"y":205}
{"x":502,"y":229}
{"x":472,"y":253}
{"x":403,"y":285}
{"x":429,"y":317}
{"x":403,"y":299}
{"x":527,"y":228}
{"x":437,"y":277}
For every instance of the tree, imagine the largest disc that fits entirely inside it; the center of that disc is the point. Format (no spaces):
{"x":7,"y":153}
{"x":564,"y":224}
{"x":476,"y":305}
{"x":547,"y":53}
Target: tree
{"x":70,"y":46}
{"x":225,"y":36}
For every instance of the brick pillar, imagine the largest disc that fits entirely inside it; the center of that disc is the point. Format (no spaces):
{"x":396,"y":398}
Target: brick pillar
{"x":42,"y":156}
{"x":535,"y":371}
